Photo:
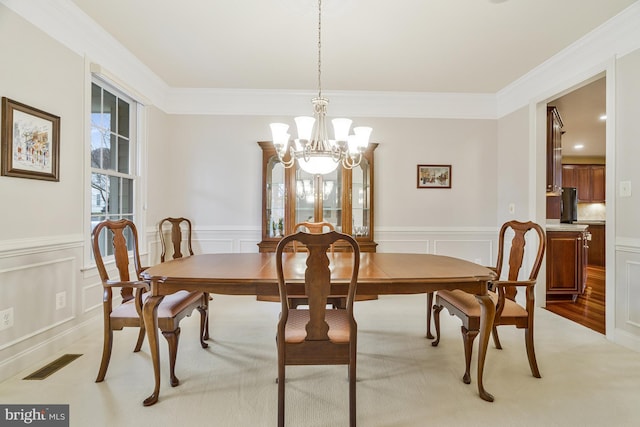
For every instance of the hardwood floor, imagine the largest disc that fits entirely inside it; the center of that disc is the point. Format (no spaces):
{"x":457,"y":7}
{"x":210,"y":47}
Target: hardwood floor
{"x":589,"y":308}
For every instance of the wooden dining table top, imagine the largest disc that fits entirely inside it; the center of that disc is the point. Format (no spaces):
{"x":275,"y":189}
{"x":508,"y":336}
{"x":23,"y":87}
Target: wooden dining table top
{"x":380,"y":273}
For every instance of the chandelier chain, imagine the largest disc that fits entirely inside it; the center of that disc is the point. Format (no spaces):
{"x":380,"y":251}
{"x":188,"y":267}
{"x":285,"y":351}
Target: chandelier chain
{"x":319,"y":48}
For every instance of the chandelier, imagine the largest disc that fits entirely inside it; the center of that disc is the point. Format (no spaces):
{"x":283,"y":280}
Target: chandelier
{"x":314,"y":151}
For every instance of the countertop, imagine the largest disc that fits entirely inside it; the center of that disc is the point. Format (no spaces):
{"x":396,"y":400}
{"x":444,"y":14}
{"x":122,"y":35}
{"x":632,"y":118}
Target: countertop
{"x":556,"y":226}
{"x":590,"y":222}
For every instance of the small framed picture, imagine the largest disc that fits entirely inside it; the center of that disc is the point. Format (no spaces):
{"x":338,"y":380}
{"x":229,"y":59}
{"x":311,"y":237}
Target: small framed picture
{"x":30,"y":142}
{"x":434,"y":176}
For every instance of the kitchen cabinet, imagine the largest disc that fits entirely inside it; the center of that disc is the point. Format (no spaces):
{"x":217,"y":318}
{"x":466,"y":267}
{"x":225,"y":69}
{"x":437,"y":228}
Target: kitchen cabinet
{"x":597,"y":247}
{"x":343,"y":197}
{"x":567,"y":257}
{"x":554,"y":150}
{"x":588,"y":179}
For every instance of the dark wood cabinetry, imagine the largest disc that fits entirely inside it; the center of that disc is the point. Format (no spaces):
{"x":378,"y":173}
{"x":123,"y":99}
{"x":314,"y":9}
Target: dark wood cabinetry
{"x":290,"y":196}
{"x":567,"y":257}
{"x":554,"y":150}
{"x":588,"y":179}
{"x":597,"y":247}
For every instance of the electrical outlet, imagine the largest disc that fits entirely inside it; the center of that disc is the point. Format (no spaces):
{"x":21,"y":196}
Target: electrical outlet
{"x":61,"y":300}
{"x":6,"y":318}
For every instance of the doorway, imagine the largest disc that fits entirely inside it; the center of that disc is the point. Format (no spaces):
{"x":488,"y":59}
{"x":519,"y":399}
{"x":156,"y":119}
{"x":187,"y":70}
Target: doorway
{"x":583,"y":114}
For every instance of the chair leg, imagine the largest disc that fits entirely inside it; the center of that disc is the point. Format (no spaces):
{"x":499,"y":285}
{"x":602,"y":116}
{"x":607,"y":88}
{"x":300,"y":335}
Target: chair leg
{"x":205,"y":336}
{"x":352,"y":385}
{"x":531,"y":355}
{"x":467,"y":339}
{"x":141,"y":333}
{"x":172,"y":339}
{"x":436,"y":321}
{"x":352,"y":394}
{"x":496,"y":339}
{"x":106,"y":354}
{"x":429,"y":306}
{"x":280,"y":382}
{"x":204,"y":325}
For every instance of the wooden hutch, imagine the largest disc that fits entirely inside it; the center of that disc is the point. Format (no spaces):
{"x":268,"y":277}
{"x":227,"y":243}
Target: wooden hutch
{"x":290,"y":195}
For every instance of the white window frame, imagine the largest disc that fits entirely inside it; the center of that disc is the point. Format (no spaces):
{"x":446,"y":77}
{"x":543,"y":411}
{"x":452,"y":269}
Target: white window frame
{"x":137,"y":141}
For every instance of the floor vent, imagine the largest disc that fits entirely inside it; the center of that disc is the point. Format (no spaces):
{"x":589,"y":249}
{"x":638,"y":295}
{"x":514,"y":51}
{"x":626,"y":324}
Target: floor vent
{"x":52,"y":367}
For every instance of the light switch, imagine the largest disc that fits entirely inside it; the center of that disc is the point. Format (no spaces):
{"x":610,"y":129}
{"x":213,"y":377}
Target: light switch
{"x":625,"y":188}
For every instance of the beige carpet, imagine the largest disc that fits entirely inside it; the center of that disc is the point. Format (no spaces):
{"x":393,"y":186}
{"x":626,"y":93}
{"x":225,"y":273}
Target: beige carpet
{"x":402,"y":379}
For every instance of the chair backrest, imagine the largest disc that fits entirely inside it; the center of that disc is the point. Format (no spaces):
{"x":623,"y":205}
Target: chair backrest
{"x":517,"y":251}
{"x":313,"y":228}
{"x":176,"y":236}
{"x":117,"y":233}
{"x":317,"y":278}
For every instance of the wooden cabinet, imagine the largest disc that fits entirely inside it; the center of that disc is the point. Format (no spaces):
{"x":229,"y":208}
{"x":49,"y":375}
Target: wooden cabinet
{"x":597,"y":247}
{"x":554,"y":150}
{"x":343,"y":198}
{"x":598,"y":183}
{"x":588,"y":179}
{"x":567,"y":256}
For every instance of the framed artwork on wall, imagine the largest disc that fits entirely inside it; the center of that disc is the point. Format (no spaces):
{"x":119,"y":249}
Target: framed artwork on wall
{"x":30,"y":142}
{"x":434,"y":176}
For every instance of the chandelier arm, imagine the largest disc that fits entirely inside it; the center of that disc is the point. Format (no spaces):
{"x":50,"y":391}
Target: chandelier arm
{"x":281,"y":154}
{"x":350,"y":161}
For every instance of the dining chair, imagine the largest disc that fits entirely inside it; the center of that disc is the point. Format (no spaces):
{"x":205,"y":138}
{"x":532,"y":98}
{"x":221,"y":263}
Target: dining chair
{"x":503,"y":292}
{"x":174,"y":245}
{"x":313,"y":228}
{"x":316,"y":335}
{"x":118,"y":237}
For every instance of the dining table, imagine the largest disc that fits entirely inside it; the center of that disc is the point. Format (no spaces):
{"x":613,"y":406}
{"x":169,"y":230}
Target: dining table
{"x":255,"y":274}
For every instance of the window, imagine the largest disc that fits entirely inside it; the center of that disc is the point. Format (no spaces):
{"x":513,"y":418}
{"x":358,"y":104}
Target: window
{"x":113,"y":155}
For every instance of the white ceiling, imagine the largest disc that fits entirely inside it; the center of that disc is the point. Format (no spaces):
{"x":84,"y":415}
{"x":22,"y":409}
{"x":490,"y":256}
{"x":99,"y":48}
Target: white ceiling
{"x":470,"y":46}
{"x":580,"y":111}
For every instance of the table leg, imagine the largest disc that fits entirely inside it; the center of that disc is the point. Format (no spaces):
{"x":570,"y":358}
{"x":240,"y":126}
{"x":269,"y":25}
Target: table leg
{"x":150,"y":316}
{"x":487,"y":315}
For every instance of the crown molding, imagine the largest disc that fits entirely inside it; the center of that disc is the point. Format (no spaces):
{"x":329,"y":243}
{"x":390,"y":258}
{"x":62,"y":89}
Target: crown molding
{"x":581,"y":60}
{"x":351,"y":103}
{"x":66,"y":23}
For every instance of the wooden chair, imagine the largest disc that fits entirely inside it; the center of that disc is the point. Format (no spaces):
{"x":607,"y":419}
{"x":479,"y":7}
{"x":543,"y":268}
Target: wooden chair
{"x":177,"y":225}
{"x":176,"y":237}
{"x":313,"y":228}
{"x":317,"y":335}
{"x":172,"y":309}
{"x":503,"y":292}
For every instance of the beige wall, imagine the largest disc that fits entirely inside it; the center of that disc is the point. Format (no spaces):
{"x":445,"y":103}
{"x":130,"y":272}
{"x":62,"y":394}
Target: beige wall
{"x":41,"y":227}
{"x":513,"y":165}
{"x":628,"y":143}
{"x":207,"y":181}
{"x":41,"y":73}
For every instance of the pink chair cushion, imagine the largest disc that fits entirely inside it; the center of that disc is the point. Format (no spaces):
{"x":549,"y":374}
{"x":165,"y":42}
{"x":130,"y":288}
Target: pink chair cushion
{"x":468,"y":303}
{"x":170,"y":306}
{"x":338,"y":321}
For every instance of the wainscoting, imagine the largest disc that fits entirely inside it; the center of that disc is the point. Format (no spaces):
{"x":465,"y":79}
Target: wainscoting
{"x":34,"y":272}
